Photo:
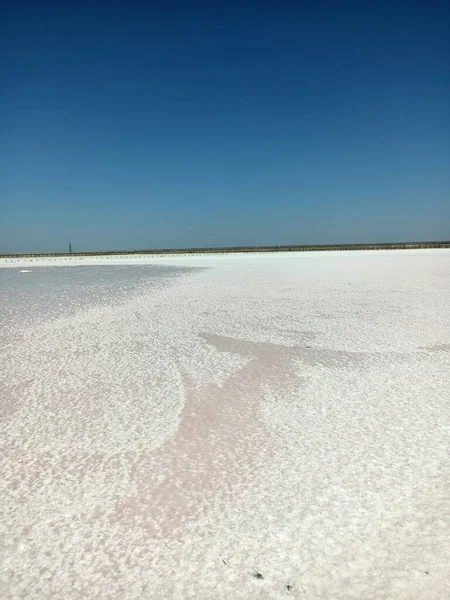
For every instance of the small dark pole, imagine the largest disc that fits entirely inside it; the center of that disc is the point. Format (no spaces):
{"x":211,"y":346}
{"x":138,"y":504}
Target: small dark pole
{"x":70,"y":248}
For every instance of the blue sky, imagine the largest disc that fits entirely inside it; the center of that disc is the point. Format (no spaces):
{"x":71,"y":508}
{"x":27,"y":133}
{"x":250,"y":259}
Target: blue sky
{"x":129,"y":127}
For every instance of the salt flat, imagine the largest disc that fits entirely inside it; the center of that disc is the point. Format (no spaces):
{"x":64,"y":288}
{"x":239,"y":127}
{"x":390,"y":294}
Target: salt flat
{"x":245,"y":426}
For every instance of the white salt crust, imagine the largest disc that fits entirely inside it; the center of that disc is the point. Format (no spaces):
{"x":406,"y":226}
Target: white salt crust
{"x":261,"y":427}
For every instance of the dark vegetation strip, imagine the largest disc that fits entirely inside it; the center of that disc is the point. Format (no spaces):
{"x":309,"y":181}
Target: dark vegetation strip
{"x":247,"y":249}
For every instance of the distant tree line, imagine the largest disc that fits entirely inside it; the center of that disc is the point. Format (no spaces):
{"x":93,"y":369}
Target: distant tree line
{"x":248,"y":249}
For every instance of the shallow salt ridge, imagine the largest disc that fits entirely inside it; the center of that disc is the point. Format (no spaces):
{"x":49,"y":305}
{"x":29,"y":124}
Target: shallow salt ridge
{"x":320,"y":385}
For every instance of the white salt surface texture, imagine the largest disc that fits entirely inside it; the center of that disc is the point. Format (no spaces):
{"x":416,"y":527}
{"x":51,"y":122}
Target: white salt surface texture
{"x":242,"y":427}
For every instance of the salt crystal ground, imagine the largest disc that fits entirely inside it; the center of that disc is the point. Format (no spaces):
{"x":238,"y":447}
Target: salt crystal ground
{"x":246,"y":426}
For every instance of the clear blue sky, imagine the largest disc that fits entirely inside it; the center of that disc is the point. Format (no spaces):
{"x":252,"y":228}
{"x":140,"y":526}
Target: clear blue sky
{"x":132,"y":127}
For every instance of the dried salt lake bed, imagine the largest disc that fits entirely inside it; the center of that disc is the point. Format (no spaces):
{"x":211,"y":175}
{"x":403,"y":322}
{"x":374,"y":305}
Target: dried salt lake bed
{"x":247,"y":426}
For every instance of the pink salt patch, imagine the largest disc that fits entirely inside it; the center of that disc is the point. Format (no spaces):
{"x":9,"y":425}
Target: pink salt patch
{"x":219,"y":443}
